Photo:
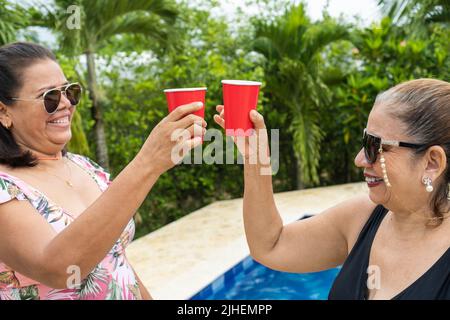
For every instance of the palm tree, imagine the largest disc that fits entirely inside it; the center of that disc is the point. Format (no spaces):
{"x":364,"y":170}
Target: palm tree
{"x":102,"y":21}
{"x":295,"y":80}
{"x":11,"y":20}
{"x":417,"y":11}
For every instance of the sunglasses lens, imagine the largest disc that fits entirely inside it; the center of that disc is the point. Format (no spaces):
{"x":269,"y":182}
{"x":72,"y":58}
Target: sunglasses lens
{"x":371,"y":146}
{"x":51,"y":100}
{"x":73,"y":93}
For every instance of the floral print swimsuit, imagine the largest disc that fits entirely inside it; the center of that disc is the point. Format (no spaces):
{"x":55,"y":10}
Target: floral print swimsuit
{"x":112,"y":279}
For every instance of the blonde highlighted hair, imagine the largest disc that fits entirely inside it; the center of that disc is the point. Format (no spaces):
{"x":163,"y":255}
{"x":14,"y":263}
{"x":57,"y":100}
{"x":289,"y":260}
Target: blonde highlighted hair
{"x":423,"y":105}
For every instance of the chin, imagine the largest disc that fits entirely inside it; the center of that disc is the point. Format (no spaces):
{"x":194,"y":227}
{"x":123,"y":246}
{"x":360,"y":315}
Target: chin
{"x":379,"y":197}
{"x":62,"y":139}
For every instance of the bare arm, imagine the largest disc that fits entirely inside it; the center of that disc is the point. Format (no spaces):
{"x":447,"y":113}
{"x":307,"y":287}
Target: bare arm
{"x":145,"y":295}
{"x":144,"y":292}
{"x":308,"y":245}
{"x":30,"y":246}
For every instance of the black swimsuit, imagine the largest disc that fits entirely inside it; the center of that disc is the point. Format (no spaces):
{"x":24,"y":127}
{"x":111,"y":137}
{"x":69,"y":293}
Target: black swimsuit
{"x":351,"y":282}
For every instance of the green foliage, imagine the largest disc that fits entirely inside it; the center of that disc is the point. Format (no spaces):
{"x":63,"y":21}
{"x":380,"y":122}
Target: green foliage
{"x":102,"y":20}
{"x":293,"y":47}
{"x":320,"y":80}
{"x":12,"y":18}
{"x":204,"y":54}
{"x":417,"y":11}
{"x":382,"y":56}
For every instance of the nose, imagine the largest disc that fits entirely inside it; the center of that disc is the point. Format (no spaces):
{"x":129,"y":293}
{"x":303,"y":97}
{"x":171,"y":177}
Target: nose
{"x":360,"y":160}
{"x":64,"y":102}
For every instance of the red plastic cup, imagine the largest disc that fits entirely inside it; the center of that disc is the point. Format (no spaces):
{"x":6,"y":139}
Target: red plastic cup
{"x":182,"y":96}
{"x":239,"y":98}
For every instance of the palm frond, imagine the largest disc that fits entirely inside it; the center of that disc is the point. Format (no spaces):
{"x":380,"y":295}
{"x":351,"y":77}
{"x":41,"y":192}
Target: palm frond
{"x":135,"y":23}
{"x":318,"y":36}
{"x":102,"y":19}
{"x":307,"y":136}
{"x":440,"y":14}
{"x":12,"y":18}
{"x":283,"y":37}
{"x":395,"y":9}
{"x":416,"y":12}
{"x":54,"y":18}
{"x":102,"y":12}
{"x":266,"y":47}
{"x":293,"y":47}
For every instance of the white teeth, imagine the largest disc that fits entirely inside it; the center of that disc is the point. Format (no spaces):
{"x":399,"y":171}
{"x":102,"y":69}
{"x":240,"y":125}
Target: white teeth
{"x":373,"y":180}
{"x":62,"y":120}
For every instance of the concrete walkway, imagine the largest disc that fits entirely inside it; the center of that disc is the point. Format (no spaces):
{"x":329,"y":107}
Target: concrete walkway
{"x":180,"y":259}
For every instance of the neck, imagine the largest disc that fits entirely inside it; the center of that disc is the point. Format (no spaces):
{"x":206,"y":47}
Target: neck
{"x":50,"y":157}
{"x":42,"y":155}
{"x":412,"y":224}
{"x":46,"y":156}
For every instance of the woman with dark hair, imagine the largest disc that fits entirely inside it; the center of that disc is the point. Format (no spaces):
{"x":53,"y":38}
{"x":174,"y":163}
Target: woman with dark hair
{"x":64,"y":225}
{"x":393,"y":243}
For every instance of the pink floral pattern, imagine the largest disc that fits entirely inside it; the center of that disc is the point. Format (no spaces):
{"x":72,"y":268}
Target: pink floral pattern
{"x":112,"y":279}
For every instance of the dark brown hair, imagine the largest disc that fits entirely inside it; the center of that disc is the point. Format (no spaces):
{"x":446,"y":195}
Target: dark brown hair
{"x":14,"y":59}
{"x":425,"y":110}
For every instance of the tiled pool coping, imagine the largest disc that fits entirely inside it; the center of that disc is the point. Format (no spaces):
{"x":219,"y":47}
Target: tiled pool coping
{"x":178,"y":260}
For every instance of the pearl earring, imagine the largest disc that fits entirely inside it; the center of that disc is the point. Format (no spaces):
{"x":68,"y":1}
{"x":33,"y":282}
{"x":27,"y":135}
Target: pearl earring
{"x":429,"y":184}
{"x":383,"y":168}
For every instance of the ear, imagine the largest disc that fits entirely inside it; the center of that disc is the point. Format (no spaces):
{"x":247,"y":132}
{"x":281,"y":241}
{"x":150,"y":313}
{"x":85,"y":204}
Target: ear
{"x":436,"y":161}
{"x":5,"y":118}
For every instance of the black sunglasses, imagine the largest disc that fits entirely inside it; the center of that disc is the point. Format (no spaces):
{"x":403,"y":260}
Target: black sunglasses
{"x":372,"y":145}
{"x":52,"y":97}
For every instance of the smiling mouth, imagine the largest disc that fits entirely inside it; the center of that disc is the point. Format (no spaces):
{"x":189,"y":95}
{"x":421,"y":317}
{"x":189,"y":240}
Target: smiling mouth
{"x":373,"y":180}
{"x":64,"y":120}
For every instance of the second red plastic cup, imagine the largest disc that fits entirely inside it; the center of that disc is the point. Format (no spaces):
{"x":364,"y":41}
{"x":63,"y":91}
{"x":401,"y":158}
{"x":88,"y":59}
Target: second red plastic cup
{"x":239,"y":98}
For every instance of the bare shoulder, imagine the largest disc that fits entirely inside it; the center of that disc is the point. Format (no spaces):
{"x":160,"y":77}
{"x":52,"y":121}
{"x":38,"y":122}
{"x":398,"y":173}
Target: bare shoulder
{"x":14,"y":172}
{"x":350,"y":216}
{"x":322,"y":241}
{"x":4,"y":168}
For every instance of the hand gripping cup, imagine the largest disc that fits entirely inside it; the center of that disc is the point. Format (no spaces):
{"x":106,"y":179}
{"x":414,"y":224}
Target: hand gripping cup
{"x":182,"y":96}
{"x":239,"y":98}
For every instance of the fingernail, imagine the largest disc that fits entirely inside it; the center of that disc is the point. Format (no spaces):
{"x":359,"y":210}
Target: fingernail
{"x":199,"y":104}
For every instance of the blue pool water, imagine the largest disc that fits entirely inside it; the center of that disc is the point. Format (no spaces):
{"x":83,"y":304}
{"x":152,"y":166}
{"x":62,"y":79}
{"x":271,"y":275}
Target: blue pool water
{"x":249,"y":280}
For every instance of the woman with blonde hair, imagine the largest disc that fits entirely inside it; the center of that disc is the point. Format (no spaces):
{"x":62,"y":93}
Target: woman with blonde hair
{"x":394,"y":242}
